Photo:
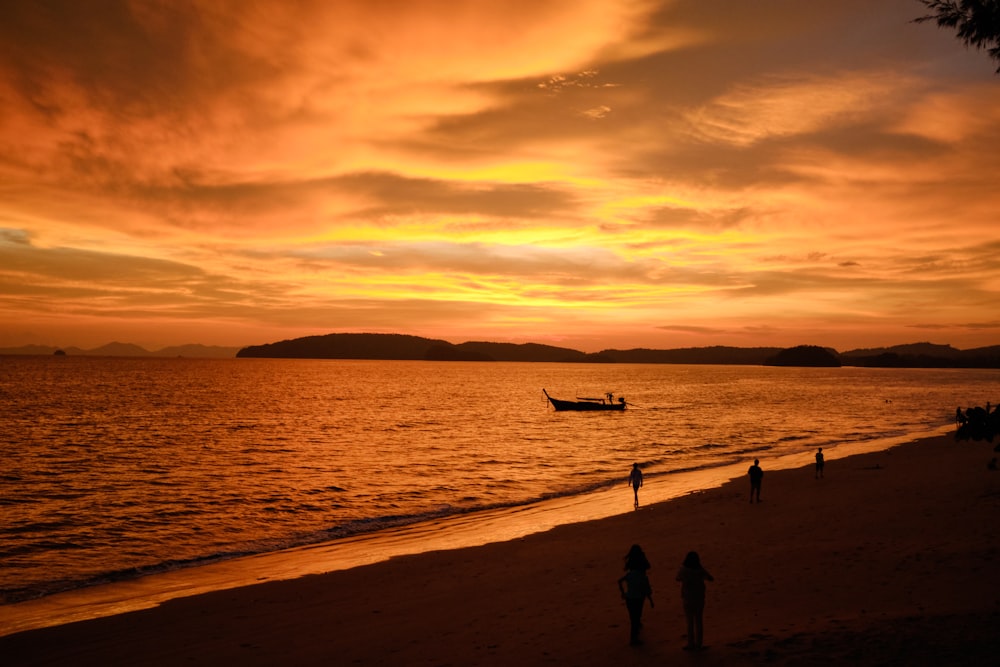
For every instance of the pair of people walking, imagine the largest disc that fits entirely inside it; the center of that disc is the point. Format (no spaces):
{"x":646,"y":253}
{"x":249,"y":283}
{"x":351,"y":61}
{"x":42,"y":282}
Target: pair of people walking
{"x":757,"y":474}
{"x":635,"y":589}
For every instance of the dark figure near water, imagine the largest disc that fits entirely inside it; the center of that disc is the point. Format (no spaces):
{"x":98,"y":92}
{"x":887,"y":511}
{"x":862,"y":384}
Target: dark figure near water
{"x":978,"y":423}
{"x":693,"y":577}
{"x":635,"y":479}
{"x":819,"y":463}
{"x":634,"y":588}
{"x":756,"y":475}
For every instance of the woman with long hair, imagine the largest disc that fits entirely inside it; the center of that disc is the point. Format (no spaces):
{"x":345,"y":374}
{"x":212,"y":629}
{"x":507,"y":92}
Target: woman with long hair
{"x":693,"y":577}
{"x":634,"y":588}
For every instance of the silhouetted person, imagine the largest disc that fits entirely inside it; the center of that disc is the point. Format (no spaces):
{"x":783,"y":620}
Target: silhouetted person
{"x":756,"y":475}
{"x":635,"y":588}
{"x":635,"y":479}
{"x":693,"y":577}
{"x":959,"y":417}
{"x":819,"y":463}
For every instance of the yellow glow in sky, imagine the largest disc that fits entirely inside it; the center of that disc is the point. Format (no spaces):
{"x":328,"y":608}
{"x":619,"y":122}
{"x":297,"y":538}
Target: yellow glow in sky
{"x":596,"y":174}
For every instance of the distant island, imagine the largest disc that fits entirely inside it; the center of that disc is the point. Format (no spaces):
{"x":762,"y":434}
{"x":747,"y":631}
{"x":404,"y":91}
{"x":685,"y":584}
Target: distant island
{"x":406,"y":347}
{"x":193,"y":351}
{"x":400,"y":346}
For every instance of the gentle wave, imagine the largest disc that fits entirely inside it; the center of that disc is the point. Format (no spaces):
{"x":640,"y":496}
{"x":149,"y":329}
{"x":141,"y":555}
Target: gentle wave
{"x":347,"y":529}
{"x":214,"y":459}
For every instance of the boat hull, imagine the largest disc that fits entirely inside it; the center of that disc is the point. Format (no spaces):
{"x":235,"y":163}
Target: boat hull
{"x":583,"y":406}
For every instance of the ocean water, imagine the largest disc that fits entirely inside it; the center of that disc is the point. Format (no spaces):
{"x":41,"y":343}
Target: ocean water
{"x":114,"y":468}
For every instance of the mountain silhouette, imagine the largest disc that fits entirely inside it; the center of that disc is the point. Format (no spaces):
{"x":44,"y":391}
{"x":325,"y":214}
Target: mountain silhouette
{"x":403,"y":347}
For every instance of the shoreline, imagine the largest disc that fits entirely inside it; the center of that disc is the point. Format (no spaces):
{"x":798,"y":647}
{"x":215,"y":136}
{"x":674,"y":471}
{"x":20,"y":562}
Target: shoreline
{"x":894,"y":551}
{"x":458,"y":531}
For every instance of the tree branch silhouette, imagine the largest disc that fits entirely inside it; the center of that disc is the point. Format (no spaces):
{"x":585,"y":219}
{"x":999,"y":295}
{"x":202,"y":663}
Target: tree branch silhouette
{"x":977,"y":22}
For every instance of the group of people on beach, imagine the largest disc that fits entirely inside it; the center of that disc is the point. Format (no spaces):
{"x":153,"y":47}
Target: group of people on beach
{"x":635,"y":589}
{"x":634,"y":585}
{"x":755,"y":472}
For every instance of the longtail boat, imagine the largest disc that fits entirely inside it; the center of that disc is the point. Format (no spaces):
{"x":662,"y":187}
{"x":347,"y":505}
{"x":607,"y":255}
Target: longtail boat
{"x":587,"y":404}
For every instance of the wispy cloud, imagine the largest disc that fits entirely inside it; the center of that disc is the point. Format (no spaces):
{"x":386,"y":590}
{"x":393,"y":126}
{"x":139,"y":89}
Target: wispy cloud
{"x":775,"y":171}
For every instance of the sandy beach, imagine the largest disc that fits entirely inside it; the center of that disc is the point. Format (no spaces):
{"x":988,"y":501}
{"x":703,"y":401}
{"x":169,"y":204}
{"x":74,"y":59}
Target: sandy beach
{"x":891,"y":558}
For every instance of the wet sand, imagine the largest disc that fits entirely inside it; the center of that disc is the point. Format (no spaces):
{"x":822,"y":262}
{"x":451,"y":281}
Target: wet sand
{"x":892,"y":558}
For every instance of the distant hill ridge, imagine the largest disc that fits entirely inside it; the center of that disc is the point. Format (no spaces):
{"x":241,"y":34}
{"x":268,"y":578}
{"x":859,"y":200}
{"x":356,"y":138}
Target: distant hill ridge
{"x":128,"y":350}
{"x":407,"y":347}
{"x":400,"y":346}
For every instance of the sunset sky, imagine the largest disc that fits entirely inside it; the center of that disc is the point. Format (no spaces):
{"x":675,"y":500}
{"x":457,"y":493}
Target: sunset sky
{"x":585,"y":173}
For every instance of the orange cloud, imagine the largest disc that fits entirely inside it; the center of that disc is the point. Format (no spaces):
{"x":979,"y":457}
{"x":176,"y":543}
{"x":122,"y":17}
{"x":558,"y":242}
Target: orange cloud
{"x":643,"y":173}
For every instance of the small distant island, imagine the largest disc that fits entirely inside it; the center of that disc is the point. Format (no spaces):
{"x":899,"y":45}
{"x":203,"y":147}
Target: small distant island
{"x":193,"y":351}
{"x":381,"y":346}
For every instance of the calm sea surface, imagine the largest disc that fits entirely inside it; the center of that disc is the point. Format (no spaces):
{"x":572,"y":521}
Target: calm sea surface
{"x":113,"y":467}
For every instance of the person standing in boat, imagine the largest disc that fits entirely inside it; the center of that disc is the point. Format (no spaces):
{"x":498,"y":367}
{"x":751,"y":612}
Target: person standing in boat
{"x":635,"y":479}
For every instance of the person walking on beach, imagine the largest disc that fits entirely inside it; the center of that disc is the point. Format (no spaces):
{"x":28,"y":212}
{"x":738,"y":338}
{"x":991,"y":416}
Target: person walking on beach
{"x":693,"y":577}
{"x":819,"y":463}
{"x":756,"y":475}
{"x":635,"y":479}
{"x":634,"y":588}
